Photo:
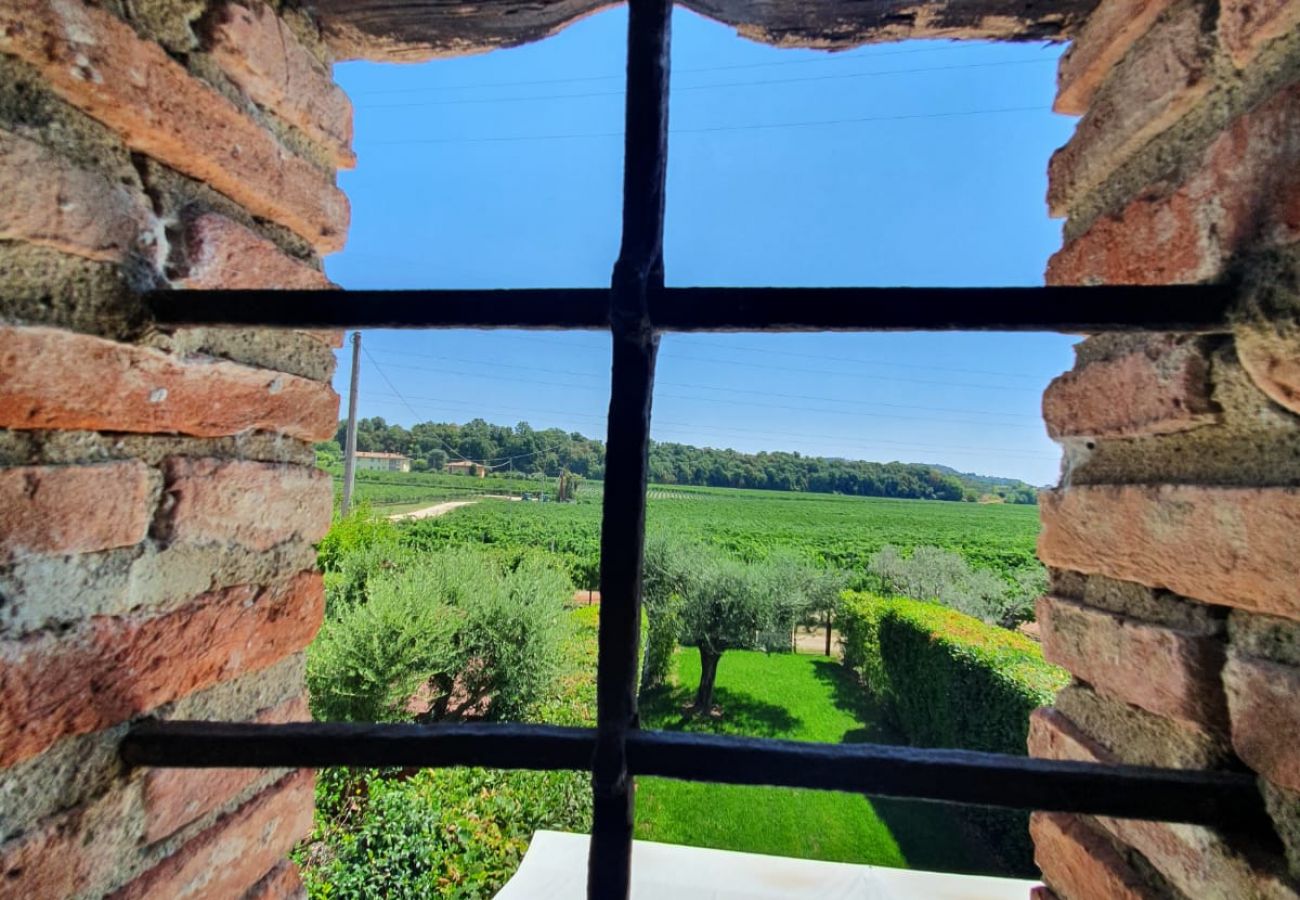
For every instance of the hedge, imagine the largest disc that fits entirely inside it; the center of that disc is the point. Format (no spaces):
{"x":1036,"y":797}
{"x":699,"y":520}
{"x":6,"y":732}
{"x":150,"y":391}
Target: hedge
{"x":948,"y":680}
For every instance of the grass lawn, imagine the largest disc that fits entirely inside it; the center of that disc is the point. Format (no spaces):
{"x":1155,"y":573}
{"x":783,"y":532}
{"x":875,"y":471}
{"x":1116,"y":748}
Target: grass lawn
{"x":795,"y":697}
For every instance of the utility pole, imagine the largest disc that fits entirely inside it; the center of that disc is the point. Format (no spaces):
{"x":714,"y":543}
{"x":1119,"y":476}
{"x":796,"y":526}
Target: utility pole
{"x":350,"y":452}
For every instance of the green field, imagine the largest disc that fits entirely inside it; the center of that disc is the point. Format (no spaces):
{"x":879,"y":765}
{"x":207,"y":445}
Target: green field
{"x":792,"y":697}
{"x":389,"y":493}
{"x":825,"y":529}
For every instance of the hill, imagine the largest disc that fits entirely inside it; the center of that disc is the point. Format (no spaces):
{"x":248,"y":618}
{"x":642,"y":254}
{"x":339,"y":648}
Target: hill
{"x":522,"y":448}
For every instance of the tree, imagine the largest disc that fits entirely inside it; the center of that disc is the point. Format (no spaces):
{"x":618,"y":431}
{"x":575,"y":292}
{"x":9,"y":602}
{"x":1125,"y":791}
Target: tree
{"x":723,"y":604}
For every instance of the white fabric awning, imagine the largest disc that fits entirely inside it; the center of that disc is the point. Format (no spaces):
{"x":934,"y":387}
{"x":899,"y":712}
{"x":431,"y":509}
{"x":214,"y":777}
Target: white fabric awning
{"x":555,"y":868}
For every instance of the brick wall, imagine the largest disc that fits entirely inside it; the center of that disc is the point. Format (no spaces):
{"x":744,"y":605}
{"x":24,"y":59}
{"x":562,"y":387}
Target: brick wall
{"x":158,"y":494}
{"x":1174,"y":536}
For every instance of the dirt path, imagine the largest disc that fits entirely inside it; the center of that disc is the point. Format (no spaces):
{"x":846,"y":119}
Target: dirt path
{"x":432,"y":512}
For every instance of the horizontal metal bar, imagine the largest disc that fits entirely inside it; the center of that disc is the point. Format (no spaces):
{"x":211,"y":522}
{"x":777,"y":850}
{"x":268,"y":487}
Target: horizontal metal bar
{"x":1184,"y":308}
{"x":1229,"y":800}
{"x":558,"y":308}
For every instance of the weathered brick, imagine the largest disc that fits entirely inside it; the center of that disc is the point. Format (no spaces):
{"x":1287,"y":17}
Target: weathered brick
{"x":236,"y":852}
{"x":108,"y":669}
{"x":1198,"y":861}
{"x":1110,"y":30}
{"x":1228,"y":546}
{"x":52,"y":379}
{"x":252,"y":504}
{"x":96,"y":62}
{"x":74,"y":509}
{"x":1165,"y":76}
{"x":1270,"y":354}
{"x":50,"y":201}
{"x":281,"y":883}
{"x":1080,"y":863}
{"x":1244,"y":192}
{"x":73,"y":854}
{"x":1264,"y":700}
{"x":175,"y":797}
{"x":262,"y":55}
{"x":1140,"y":738}
{"x":1161,"y":389}
{"x":1247,"y":26}
{"x":1162,"y":670}
{"x":222,"y":254}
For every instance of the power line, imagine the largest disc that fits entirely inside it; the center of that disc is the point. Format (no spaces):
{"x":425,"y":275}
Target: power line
{"x":839,"y":76}
{"x":828,"y":58}
{"x":716,"y":128}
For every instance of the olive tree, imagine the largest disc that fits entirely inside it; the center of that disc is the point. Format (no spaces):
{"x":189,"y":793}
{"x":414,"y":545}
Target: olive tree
{"x":719,"y":603}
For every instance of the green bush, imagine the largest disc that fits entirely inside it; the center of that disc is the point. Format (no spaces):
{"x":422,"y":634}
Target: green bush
{"x":949,"y":680}
{"x":457,"y":625}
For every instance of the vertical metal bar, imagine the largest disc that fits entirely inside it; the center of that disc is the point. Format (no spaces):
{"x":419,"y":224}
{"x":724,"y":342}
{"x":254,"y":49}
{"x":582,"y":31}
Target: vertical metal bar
{"x":639,"y":271}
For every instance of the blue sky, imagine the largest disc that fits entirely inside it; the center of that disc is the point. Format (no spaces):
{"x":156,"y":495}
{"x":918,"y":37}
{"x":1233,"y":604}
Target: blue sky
{"x":920,"y":163}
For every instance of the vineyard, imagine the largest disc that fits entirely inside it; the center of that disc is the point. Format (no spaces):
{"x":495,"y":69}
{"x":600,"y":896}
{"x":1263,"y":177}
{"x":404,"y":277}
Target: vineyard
{"x":843,"y":532}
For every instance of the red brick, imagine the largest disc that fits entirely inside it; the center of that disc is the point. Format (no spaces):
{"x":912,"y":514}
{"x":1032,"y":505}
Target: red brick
{"x":96,"y":62}
{"x":1162,"y":389}
{"x":1042,"y":892}
{"x":1244,"y":192}
{"x":252,"y":504}
{"x":1197,"y":860}
{"x":1264,"y":700}
{"x":52,"y":379}
{"x":222,"y":254}
{"x":74,"y":509}
{"x":265,"y":58}
{"x":281,"y":883}
{"x":51,"y":202}
{"x":108,"y":669}
{"x":1228,"y":546}
{"x":1246,"y":26}
{"x":1110,"y":30}
{"x":71,"y":854}
{"x":1150,"y":90}
{"x":1271,"y":356}
{"x":1080,"y":863}
{"x":1162,"y":670}
{"x":236,"y":852}
{"x":175,"y":797}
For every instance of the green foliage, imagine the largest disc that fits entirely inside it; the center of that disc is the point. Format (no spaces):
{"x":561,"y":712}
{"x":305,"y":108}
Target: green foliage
{"x":452,"y":832}
{"x":439,"y":833}
{"x":552,"y":451}
{"x":949,"y":680}
{"x":454,"y":624}
{"x":932,"y":573}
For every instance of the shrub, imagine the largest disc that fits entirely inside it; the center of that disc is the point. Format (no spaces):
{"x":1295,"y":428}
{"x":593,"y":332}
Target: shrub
{"x":932,"y":573}
{"x":456,"y":624}
{"x":949,"y":680}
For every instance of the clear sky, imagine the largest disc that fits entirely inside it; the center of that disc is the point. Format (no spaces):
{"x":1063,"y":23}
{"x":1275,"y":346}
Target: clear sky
{"x":920,"y":163}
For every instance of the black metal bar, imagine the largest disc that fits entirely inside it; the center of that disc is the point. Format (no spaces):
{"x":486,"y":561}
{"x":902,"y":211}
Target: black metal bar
{"x":317,"y":744}
{"x":1229,"y":799}
{"x":1225,"y":799}
{"x":637,"y":274}
{"x":558,"y":308}
{"x":1072,"y":310}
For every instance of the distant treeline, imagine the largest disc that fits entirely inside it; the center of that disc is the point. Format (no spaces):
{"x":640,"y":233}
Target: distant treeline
{"x":522,"y":448}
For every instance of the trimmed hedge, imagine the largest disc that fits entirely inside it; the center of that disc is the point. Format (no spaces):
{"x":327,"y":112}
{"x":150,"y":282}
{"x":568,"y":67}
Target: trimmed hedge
{"x":948,"y":680}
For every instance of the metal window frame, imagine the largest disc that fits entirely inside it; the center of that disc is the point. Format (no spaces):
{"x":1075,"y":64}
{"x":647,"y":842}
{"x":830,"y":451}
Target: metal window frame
{"x":635,"y":310}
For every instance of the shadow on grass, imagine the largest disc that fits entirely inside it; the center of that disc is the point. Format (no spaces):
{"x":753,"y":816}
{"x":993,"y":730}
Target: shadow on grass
{"x":929,"y":835}
{"x":740,"y":713}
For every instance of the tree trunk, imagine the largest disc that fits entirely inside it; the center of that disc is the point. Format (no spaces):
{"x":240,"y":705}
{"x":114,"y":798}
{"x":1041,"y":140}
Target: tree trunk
{"x":708,"y":675}
{"x":828,"y":633}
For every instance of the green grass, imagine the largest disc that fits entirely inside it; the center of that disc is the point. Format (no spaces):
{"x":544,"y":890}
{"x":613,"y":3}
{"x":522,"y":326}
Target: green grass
{"x":795,"y":697}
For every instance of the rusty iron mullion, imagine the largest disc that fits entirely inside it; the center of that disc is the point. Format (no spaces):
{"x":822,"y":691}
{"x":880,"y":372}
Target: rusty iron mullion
{"x":638,"y":273}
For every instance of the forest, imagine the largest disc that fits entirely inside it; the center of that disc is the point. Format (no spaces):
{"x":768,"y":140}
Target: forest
{"x":521,"y":448}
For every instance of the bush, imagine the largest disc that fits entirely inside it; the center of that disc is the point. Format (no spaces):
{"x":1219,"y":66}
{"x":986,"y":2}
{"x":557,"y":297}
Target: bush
{"x":949,"y":680}
{"x":460,"y":627}
{"x":932,"y":573}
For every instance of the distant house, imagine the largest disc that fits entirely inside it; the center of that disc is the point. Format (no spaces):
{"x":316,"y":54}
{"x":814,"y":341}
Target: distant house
{"x":384,"y":462}
{"x":465,"y":467}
